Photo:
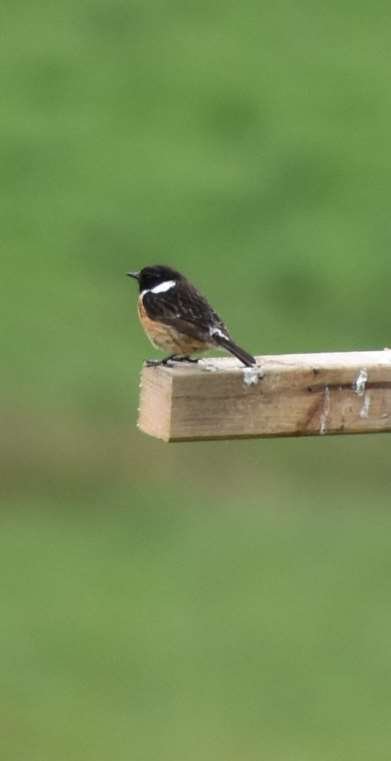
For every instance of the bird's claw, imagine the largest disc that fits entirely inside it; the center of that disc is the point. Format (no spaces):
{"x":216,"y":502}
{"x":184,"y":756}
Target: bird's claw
{"x":183,"y":358}
{"x":169,"y":361}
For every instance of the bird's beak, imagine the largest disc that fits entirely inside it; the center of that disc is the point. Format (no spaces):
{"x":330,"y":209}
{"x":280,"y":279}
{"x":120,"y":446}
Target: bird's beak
{"x":136,"y":275}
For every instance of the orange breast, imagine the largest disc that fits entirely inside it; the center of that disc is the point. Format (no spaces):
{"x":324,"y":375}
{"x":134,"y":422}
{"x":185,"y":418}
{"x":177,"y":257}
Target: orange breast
{"x":166,"y":337}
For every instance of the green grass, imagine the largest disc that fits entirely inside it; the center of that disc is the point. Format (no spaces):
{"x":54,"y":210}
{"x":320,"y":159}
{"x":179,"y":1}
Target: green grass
{"x":175,"y":632}
{"x":216,"y":601}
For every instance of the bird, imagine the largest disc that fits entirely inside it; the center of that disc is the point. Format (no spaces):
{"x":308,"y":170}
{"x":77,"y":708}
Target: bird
{"x":178,"y":319}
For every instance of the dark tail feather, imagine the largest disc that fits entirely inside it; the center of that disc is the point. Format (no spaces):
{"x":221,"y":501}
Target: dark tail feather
{"x":234,"y":349}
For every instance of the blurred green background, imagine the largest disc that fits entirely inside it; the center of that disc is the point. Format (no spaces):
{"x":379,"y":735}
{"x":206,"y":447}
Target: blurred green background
{"x":218,"y":601}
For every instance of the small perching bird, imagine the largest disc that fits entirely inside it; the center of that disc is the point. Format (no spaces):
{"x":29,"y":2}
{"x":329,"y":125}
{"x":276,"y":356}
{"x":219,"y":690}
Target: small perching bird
{"x":178,"y":319}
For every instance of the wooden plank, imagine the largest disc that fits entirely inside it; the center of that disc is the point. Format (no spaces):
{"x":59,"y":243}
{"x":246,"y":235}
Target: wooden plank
{"x":285,"y":395}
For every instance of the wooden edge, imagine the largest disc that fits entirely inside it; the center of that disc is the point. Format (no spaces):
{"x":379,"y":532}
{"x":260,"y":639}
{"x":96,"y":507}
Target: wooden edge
{"x":284,"y":395}
{"x":154,"y":410}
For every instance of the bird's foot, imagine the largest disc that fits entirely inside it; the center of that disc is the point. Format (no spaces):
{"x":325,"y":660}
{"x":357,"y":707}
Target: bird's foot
{"x":165,"y":362}
{"x":185,"y":358}
{"x":168,"y":361}
{"x":154,"y":362}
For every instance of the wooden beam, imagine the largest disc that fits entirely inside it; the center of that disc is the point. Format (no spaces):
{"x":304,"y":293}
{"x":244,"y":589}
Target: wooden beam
{"x":286,"y":395}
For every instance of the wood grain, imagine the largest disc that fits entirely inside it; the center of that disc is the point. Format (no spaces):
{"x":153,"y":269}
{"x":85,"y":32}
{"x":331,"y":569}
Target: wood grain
{"x":285,"y":395}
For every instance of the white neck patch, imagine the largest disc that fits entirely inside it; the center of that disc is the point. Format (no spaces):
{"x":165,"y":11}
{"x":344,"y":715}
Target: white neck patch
{"x":166,"y":285}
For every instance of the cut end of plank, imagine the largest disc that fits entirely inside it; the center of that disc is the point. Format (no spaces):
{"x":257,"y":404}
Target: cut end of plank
{"x":155,"y":402}
{"x":283,"y":395}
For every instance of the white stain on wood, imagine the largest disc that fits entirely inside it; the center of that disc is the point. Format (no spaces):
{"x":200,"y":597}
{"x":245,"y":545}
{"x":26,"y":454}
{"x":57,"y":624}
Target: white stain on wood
{"x":361,"y":382}
{"x":325,"y":411}
{"x":364,"y":412}
{"x":251,"y":375}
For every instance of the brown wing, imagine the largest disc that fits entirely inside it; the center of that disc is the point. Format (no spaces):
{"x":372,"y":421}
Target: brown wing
{"x":184,"y":308}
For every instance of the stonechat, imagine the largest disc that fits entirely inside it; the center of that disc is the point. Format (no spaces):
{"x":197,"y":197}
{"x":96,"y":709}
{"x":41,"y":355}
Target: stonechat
{"x":178,"y":319}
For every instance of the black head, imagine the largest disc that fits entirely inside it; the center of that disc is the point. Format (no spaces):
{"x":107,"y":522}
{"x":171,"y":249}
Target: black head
{"x":149,"y":277}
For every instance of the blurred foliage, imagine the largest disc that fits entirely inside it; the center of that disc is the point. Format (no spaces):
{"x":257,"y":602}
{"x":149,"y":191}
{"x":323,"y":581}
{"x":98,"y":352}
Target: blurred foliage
{"x":215,"y":601}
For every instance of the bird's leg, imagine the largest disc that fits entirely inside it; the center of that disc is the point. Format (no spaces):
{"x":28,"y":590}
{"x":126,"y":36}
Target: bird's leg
{"x":157,"y":362}
{"x":167,"y":360}
{"x":171,"y":358}
{"x":186,"y":358}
